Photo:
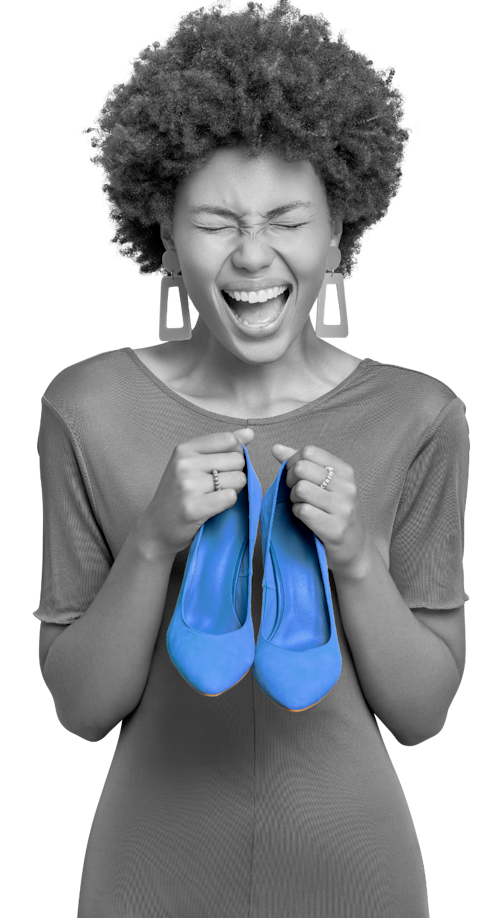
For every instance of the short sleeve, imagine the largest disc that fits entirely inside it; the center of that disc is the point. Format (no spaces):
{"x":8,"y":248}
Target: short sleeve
{"x":76,"y":558}
{"x":427,"y":544}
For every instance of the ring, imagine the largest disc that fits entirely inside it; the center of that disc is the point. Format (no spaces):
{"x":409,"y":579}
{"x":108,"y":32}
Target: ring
{"x":216,"y":480}
{"x":328,"y":477}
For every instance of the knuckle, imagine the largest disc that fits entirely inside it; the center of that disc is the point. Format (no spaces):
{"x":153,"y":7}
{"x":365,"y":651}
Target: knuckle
{"x":308,"y":452}
{"x":300,"y":468}
{"x":182,"y":465}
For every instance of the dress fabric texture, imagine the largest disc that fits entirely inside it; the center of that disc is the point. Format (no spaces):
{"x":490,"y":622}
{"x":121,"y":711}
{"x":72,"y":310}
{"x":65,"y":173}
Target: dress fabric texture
{"x":233,"y":807}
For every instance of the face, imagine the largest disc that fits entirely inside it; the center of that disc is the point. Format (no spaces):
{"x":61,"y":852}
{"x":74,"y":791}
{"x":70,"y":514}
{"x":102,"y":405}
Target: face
{"x":252,"y":236}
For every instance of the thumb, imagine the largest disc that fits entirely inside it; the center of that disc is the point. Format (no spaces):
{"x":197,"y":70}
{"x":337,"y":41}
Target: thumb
{"x":245,"y":435}
{"x":281,"y":452}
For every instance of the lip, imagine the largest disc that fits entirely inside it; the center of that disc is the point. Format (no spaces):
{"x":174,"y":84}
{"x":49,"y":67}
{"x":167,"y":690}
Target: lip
{"x":262,"y":330}
{"x":257,"y":285}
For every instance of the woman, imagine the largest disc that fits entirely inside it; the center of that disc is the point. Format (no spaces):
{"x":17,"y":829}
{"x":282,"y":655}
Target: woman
{"x":251,"y":148}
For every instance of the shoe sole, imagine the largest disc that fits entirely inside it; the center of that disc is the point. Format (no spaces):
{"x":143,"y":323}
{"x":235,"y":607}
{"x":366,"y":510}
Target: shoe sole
{"x":298,"y":710}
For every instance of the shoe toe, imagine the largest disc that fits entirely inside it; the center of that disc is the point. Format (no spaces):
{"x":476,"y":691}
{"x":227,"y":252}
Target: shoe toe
{"x":296,"y":680}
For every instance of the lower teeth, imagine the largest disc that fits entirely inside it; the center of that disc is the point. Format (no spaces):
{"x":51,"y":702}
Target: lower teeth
{"x":261,"y":313}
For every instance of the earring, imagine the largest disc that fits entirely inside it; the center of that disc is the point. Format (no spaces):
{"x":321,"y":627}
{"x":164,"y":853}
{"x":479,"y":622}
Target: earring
{"x":173,"y":289}
{"x":332,"y":292}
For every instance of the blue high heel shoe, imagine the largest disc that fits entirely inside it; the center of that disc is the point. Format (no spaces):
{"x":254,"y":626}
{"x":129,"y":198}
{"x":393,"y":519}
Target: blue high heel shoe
{"x":297,"y":659}
{"x":210,"y":638}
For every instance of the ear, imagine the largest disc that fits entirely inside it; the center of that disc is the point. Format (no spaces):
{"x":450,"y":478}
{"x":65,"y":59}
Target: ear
{"x":337,"y":229}
{"x":166,"y":239}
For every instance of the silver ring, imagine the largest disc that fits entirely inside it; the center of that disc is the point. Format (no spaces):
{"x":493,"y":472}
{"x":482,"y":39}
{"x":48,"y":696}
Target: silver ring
{"x":329,"y":469}
{"x":328,"y":477}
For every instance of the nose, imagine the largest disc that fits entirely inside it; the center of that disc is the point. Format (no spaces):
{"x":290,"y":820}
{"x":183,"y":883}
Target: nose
{"x":252,"y":255}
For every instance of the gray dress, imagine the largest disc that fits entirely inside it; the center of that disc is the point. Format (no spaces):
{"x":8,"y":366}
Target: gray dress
{"x":232,"y":807}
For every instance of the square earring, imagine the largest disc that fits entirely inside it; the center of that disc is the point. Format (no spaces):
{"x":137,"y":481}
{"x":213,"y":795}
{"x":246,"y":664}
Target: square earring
{"x":331,"y":329}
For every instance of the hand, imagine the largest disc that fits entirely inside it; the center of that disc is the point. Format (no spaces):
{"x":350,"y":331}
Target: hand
{"x":186,"y":497}
{"x":333,"y":513}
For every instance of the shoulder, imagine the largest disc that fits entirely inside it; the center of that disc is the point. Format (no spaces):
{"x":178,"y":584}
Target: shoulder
{"x":420,"y":398}
{"x":85,"y":385}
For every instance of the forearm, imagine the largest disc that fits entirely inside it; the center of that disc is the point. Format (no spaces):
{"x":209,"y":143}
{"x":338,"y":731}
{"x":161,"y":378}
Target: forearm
{"x":407,"y":673}
{"x":97,"y":668}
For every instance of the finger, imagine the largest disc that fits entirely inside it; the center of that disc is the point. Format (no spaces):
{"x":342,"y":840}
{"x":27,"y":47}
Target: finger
{"x":235,"y":480}
{"x":243,"y":435}
{"x":217,"y":442}
{"x":323,"y":458}
{"x":282,"y":452}
{"x":305,"y":470}
{"x":305,"y":492}
{"x":223,"y":462}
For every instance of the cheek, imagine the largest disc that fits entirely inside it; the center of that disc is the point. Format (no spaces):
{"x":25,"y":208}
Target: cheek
{"x":309,"y":284}
{"x":199,"y":266}
{"x":307,"y":255}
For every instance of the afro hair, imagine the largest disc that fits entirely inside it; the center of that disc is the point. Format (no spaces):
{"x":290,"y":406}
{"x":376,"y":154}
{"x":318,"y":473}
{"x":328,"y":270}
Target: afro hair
{"x":274,"y":81}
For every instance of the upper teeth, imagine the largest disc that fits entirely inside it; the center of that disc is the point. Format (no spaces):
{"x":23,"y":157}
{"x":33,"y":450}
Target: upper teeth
{"x":256,"y":296}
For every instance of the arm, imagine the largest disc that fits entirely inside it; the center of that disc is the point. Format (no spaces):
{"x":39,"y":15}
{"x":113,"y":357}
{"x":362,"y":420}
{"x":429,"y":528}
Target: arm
{"x":409,"y":663}
{"x":97,"y":667}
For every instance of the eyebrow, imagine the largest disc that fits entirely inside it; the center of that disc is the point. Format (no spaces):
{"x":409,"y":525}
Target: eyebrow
{"x":225,"y":212}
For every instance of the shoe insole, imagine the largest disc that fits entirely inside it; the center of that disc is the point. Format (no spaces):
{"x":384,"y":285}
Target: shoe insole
{"x":295,"y":602}
{"x":216,"y":598}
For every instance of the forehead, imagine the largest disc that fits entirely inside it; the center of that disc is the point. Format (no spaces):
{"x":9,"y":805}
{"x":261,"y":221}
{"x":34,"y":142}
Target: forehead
{"x":250,"y":185}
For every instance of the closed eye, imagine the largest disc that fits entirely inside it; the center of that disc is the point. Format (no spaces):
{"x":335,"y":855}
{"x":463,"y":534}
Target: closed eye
{"x":280,"y":225}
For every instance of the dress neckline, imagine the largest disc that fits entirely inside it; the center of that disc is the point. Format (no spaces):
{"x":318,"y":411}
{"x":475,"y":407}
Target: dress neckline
{"x":213,"y":414}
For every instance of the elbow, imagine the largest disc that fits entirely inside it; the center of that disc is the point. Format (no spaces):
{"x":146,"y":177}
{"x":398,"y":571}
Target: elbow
{"x":92,"y":732}
{"x":87,"y":731}
{"x":89,"y":735}
{"x":413,"y":740}
{"x":430,"y":725}
{"x":79,"y":726}
{"x":414,"y":737}
{"x":83,"y":731}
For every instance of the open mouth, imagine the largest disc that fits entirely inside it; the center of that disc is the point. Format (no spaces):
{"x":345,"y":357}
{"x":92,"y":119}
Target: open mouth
{"x":257,"y":308}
